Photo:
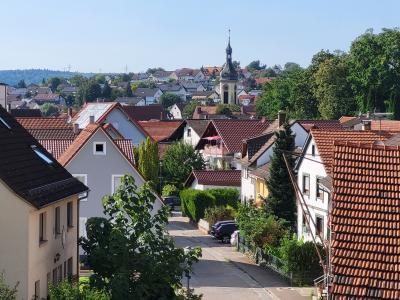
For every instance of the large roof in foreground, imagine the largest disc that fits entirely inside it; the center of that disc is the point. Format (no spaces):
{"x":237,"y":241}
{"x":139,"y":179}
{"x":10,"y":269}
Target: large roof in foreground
{"x":366,"y":221}
{"x":29,"y":170}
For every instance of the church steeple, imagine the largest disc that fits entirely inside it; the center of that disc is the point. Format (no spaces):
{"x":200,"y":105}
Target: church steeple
{"x":229,"y":72}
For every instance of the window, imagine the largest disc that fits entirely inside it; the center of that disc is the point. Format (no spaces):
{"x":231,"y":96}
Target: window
{"x":42,"y":227}
{"x":306,"y":184}
{"x":43,"y":156}
{"x":82,"y":178}
{"x":37,"y":290}
{"x":319,"y":226}
{"x":69,"y":268}
{"x":57,"y":221}
{"x":65,"y":269}
{"x":82,"y":226}
{"x":70,"y":214}
{"x":313,"y":150}
{"x":189,"y":132}
{"x":54,"y":275}
{"x":59,"y":273}
{"x":99,"y":148}
{"x":319,"y":190}
{"x":115,"y":182}
{"x":4,"y":123}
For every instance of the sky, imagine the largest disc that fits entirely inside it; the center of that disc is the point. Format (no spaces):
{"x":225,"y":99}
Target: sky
{"x":111,"y":36}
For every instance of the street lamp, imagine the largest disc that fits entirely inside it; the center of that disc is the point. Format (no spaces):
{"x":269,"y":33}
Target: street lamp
{"x":187,"y":250}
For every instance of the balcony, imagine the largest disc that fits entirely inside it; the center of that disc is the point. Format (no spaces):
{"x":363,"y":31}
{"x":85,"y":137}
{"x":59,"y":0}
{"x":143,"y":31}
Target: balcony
{"x":215,"y":150}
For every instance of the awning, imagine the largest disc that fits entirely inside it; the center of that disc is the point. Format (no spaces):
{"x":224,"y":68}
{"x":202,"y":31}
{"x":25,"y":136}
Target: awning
{"x":212,"y":138}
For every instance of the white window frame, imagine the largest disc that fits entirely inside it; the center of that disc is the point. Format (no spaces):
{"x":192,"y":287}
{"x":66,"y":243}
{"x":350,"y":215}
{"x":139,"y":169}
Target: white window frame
{"x":112,"y":181}
{"x":85,"y":183}
{"x":104,"y":148}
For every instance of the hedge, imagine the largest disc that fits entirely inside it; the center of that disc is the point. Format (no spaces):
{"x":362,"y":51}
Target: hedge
{"x":225,"y":196}
{"x":195,"y":202}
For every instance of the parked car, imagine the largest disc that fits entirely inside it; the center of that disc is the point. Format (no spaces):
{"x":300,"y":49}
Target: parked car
{"x":234,"y":238}
{"x":219,"y":223}
{"x":224,"y":232}
{"x":172,"y":201}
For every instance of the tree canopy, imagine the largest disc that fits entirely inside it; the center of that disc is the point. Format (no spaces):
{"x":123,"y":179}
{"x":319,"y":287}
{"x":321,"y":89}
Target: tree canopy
{"x":168,"y":99}
{"x":130,"y":252}
{"x":178,"y":162}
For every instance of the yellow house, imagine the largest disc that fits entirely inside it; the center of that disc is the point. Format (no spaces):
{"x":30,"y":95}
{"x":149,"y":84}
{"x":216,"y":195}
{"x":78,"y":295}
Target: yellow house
{"x":259,"y":176}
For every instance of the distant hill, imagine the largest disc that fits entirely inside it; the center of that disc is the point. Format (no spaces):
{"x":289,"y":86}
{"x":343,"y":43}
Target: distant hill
{"x":12,"y":77}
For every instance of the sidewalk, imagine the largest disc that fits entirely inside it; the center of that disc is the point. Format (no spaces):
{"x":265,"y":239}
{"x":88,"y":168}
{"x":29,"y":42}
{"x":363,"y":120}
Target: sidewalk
{"x":271,"y":282}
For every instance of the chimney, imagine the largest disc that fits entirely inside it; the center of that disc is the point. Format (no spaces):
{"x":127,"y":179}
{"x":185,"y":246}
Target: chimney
{"x":281,"y":117}
{"x":263,"y":119}
{"x":69,"y":112}
{"x":91,"y":119}
{"x":368,"y":114}
{"x":76,"y":128}
{"x":199,"y":109}
{"x":366,"y":125}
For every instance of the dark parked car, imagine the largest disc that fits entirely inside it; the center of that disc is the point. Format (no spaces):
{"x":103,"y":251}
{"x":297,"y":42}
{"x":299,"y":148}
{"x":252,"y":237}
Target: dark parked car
{"x":172,"y":201}
{"x":219,"y":223}
{"x":224,"y":232}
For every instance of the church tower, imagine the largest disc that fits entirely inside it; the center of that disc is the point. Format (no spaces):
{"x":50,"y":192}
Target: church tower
{"x":228,"y":78}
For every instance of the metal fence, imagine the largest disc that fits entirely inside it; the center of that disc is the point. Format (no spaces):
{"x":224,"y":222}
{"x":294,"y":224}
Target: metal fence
{"x":275,"y":264}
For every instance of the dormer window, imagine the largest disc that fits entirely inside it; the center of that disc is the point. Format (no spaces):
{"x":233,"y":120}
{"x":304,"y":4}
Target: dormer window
{"x":99,"y":148}
{"x":4,"y":123}
{"x":43,"y":156}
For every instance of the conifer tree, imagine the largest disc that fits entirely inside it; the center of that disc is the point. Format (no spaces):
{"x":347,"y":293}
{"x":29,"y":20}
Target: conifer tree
{"x":149,"y":161}
{"x":281,"y":199}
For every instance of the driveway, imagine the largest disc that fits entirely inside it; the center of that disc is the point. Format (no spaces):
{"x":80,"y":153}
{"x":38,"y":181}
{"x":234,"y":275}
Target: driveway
{"x":224,"y":273}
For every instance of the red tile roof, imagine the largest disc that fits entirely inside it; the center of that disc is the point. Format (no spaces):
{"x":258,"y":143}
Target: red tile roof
{"x":263,"y":80}
{"x":208,"y":71}
{"x":365,"y":222}
{"x":204,"y":110}
{"x":56,"y":146}
{"x":43,"y":122}
{"x":145,"y":113}
{"x":160,"y":130}
{"x":78,"y":143}
{"x":217,"y":178}
{"x":324,"y":140}
{"x":53,"y":133}
{"x":345,"y":119}
{"x":320,"y":124}
{"x":126,"y":147}
{"x":388,"y":125}
{"x":233,"y":132}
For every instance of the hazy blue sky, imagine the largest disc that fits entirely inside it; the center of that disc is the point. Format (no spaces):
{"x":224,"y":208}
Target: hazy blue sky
{"x":93,"y":35}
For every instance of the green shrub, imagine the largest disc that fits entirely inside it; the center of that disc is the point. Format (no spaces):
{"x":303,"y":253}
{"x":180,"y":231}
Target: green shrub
{"x":259,"y":228}
{"x":219,"y":213}
{"x":225,"y":196}
{"x":301,"y":259}
{"x":194,"y":203}
{"x":71,"y":291}
{"x":170,"y":190}
{"x":7,"y":292}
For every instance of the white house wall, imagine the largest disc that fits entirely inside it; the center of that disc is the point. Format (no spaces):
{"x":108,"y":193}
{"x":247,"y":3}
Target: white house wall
{"x":14,"y":240}
{"x":314,"y":168}
{"x":125,"y":127}
{"x":301,"y":135}
{"x":248,"y":187}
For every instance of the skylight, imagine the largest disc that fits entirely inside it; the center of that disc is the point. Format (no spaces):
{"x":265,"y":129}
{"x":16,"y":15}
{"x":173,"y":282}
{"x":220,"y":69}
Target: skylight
{"x":42,"y":155}
{"x":5,"y":123}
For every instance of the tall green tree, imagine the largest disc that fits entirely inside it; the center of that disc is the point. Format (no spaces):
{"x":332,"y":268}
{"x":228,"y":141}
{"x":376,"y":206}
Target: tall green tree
{"x":49,"y":110}
{"x":374,"y":62}
{"x":128,"y":90}
{"x":178,"y":162}
{"x":281,"y":199}
{"x":54,"y":82}
{"x":332,"y":88}
{"x":21,"y":84}
{"x":149,"y":161}
{"x":168,"y":99}
{"x":130,"y":252}
{"x":89,"y":91}
{"x":106,"y":93}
